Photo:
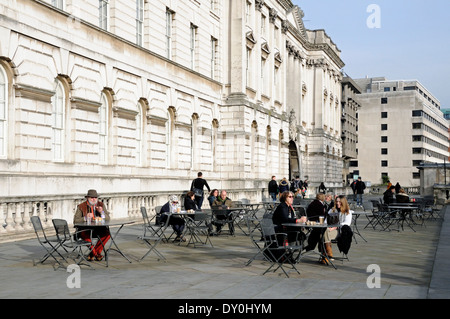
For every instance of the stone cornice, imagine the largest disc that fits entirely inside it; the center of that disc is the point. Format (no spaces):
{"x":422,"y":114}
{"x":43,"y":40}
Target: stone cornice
{"x":34,"y":93}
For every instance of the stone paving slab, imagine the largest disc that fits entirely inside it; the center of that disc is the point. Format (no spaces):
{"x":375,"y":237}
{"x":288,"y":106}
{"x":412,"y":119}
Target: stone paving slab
{"x":406,"y":260}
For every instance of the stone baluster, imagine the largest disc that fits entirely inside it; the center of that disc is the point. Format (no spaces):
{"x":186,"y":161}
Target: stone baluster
{"x":18,"y":217}
{"x":41,"y":213}
{"x":50,"y":206}
{"x":26,"y":216}
{"x":3,"y":209}
{"x":9,"y":218}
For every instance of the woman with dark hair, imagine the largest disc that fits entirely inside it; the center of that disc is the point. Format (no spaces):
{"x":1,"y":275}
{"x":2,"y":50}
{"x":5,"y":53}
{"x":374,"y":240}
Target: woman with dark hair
{"x":189,"y":202}
{"x":284,"y":213}
{"x":213,"y":196}
{"x":388,"y":195}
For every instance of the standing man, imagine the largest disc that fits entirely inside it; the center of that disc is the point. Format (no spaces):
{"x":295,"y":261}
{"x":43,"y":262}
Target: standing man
{"x":197,"y":187}
{"x":360,"y":187}
{"x":273,"y":189}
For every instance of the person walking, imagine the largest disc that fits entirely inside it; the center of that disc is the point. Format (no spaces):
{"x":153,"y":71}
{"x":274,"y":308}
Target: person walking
{"x":360,"y":187}
{"x":197,"y":186}
{"x":273,"y":189}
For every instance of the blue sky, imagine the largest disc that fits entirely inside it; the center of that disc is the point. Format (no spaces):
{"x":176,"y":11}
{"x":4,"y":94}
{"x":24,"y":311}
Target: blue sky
{"x":409,"y":41}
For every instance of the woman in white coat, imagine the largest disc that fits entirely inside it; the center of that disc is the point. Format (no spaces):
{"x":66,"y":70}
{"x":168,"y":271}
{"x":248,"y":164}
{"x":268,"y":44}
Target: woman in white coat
{"x":345,"y":218}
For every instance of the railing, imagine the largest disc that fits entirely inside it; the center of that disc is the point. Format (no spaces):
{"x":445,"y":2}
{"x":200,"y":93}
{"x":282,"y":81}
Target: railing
{"x":16,"y":212}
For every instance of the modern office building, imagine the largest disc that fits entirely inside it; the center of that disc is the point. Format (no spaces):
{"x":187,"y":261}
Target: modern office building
{"x":400,"y":125}
{"x":133,"y":98}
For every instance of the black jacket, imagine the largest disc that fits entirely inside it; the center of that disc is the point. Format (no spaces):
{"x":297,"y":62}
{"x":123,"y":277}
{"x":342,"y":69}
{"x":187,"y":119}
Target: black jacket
{"x":314,"y":210}
{"x":273,"y":187}
{"x":199,"y":183}
{"x":189,"y":204}
{"x":283,"y":214}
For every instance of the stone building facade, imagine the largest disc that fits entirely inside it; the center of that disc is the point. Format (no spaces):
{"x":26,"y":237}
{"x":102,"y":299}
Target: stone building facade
{"x":133,"y":98}
{"x":350,"y":106}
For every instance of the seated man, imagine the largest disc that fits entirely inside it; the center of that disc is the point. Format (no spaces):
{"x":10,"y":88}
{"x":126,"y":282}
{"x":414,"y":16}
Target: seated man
{"x":315,"y":209}
{"x":223,"y":202}
{"x":93,"y":208}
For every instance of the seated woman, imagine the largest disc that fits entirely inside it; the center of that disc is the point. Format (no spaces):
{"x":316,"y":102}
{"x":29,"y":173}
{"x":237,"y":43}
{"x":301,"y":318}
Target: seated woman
{"x":189,"y":201}
{"x":388,"y":195}
{"x":402,"y":197}
{"x":345,"y":218}
{"x":177,"y":223}
{"x":213,"y":196}
{"x":284,"y":213}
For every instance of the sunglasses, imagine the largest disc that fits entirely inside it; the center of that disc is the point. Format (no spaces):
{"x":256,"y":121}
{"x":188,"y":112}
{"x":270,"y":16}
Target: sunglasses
{"x":290,"y":196}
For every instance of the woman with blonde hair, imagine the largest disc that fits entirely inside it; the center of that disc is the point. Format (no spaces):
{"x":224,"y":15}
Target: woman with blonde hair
{"x":345,"y":218}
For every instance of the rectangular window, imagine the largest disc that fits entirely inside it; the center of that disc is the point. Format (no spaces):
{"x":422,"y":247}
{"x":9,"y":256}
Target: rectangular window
{"x":3,"y":111}
{"x":213,"y":57}
{"x":417,"y":150}
{"x":384,"y":151}
{"x":103,"y":8}
{"x":139,"y":21}
{"x":58,"y":4}
{"x":169,"y":22}
{"x":384,"y":127}
{"x":384,"y":115}
{"x":416,"y":175}
{"x":193,"y":45}
{"x":384,"y":163}
{"x":384,"y":139}
{"x":387,"y":89}
{"x":417,"y":113}
{"x":384,"y":100}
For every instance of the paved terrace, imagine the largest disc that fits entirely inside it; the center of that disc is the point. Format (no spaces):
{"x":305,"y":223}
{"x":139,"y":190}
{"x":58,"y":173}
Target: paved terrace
{"x":412,"y":264}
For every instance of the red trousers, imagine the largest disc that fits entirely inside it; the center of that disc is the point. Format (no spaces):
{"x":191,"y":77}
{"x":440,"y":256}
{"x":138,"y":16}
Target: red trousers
{"x":97,"y":232}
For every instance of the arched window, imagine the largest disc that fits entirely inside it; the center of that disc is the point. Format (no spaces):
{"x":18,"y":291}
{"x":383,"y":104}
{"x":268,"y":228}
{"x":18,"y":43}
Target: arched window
{"x":58,"y":121}
{"x":3,"y":112}
{"x":103,"y":130}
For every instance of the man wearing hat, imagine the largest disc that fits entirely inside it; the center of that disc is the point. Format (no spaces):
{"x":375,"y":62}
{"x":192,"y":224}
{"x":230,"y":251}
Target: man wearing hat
{"x":92,"y":208}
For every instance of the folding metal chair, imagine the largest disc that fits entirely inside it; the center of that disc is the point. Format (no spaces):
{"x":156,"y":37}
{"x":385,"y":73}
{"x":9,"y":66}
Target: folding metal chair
{"x":153,"y":238}
{"x":51,"y":245}
{"x":256,"y":237}
{"x":199,"y":225}
{"x":279,"y":255}
{"x":152,"y":227}
{"x":74,"y":242}
{"x":221,"y":217}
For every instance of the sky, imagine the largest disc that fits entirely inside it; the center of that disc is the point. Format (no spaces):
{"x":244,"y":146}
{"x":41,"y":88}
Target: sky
{"x":396,"y":39}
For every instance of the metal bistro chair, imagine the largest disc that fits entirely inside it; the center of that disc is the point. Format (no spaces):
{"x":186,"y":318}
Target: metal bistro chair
{"x":257,"y":240}
{"x":222,"y":217}
{"x":276,"y":253}
{"x":153,"y":238}
{"x":199,"y":225}
{"x":51,"y":245}
{"x":73,"y":241}
{"x":153,"y":227}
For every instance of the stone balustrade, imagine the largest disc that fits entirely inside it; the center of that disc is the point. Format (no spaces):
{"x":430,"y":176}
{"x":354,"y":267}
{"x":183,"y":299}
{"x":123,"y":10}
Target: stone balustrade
{"x":16,"y":212}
